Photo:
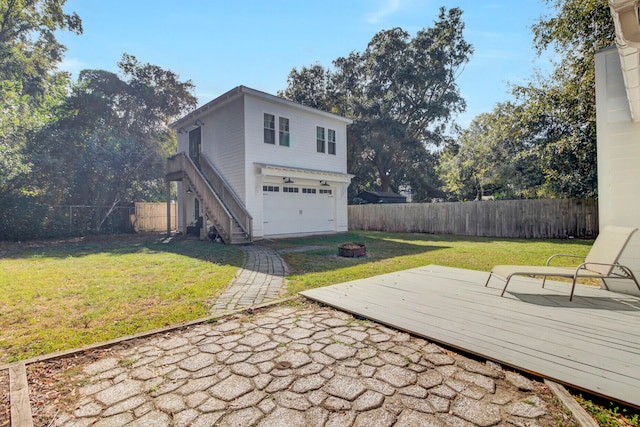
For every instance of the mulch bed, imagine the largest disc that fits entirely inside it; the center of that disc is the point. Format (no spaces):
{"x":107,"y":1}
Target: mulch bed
{"x":53,"y":384}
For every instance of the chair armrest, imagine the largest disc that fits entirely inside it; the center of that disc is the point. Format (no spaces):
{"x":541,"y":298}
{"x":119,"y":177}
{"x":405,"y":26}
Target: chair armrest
{"x":564,"y":255}
{"x":624,"y":269}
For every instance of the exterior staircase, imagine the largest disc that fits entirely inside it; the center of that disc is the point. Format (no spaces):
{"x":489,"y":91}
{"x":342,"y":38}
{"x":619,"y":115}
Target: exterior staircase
{"x":220,"y":204}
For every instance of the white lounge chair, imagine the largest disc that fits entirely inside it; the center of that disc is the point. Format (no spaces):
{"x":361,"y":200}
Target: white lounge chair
{"x":600,"y":263}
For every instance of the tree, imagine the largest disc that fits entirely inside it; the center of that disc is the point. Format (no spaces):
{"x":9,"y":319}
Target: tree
{"x":312,"y":86}
{"x":563,"y":105}
{"x":30,"y":89}
{"x":29,"y":85}
{"x":401,"y":93}
{"x":553,"y":150}
{"x":110,"y":144}
{"x":493,"y":156}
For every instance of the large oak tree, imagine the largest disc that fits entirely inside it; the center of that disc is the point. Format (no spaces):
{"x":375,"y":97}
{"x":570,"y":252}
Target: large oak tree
{"x":402,"y":94}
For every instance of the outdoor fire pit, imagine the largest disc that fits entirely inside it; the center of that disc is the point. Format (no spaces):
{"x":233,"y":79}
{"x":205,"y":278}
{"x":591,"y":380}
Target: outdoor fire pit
{"x":352,"y":250}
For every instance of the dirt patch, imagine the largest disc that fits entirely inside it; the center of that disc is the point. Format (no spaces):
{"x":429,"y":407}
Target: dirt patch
{"x":54,"y":384}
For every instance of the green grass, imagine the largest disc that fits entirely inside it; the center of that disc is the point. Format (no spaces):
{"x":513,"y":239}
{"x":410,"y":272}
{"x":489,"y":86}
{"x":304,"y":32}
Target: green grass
{"x":389,"y":252}
{"x":60,"y":296}
{"x":607,"y":413}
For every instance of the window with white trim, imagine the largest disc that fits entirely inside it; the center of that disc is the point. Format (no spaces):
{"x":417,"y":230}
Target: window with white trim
{"x":269,"y":128}
{"x":331,"y":139}
{"x":283,"y":124}
{"x":320,"y":139}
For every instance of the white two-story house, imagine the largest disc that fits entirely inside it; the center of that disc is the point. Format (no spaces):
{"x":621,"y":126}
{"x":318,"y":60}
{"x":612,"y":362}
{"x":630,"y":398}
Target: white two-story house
{"x":253,"y":165}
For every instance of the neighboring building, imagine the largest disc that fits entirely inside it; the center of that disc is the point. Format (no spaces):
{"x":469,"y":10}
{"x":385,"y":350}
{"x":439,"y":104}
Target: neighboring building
{"x":381,"y":197}
{"x":618,"y":127}
{"x":254,"y":165}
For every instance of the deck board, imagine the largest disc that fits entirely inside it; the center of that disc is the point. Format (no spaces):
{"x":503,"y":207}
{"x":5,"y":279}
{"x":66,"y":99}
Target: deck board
{"x":591,"y":343}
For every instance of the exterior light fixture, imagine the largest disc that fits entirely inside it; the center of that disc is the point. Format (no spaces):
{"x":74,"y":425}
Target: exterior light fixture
{"x":324,"y":183}
{"x":287,"y":180}
{"x":199,"y":123}
{"x":189,"y":190}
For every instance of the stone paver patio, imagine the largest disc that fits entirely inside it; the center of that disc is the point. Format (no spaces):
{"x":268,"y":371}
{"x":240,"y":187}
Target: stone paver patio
{"x":296,"y":365}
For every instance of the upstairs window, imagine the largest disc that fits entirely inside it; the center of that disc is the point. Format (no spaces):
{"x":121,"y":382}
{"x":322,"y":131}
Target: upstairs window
{"x":331,"y":138}
{"x":269,"y":129}
{"x":284,"y":131}
{"x":320,"y":139}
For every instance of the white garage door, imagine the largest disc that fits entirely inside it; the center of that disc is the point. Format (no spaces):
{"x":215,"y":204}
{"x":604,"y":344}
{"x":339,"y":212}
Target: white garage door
{"x":289,"y":209}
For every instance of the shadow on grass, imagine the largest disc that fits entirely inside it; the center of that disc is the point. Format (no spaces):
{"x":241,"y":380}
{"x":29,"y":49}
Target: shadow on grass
{"x":323,"y":253}
{"x":314,"y":260}
{"x":122,"y":244}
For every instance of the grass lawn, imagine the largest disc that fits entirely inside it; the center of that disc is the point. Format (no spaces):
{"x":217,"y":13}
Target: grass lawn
{"x":389,"y":252}
{"x":57,"y":296}
{"x":60,"y":295}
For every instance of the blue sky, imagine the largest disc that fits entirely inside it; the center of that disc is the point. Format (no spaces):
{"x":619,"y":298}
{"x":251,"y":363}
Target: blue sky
{"x":220,"y":44}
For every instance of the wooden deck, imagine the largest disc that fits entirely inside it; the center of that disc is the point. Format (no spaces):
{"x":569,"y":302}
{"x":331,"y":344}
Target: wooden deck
{"x":592,"y":343}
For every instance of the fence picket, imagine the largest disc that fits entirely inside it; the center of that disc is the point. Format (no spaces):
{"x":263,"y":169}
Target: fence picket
{"x":540,"y":219}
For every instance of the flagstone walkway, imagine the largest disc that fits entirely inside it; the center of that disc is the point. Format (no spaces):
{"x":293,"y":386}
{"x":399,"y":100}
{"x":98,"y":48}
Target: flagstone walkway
{"x":260,"y":279}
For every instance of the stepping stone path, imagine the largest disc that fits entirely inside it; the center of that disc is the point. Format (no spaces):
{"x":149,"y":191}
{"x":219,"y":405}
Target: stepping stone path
{"x":260,"y":279}
{"x":296,"y":365}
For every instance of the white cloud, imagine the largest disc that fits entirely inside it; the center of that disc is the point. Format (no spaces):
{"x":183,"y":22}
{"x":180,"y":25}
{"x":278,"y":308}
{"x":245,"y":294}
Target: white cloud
{"x":387,"y":7}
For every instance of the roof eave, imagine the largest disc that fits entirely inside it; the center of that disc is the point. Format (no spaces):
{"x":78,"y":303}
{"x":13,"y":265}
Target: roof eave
{"x":625,"y":14}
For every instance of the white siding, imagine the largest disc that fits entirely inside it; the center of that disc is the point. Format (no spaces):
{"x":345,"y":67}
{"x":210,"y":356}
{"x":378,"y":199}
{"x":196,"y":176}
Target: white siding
{"x":301,"y":154}
{"x":223,"y":143}
{"x":233,"y":139}
{"x":618,"y":159}
{"x":302,"y":150}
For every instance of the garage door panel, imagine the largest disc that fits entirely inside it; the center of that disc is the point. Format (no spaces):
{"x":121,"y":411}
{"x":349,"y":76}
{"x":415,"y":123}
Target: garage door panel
{"x":286,"y":213}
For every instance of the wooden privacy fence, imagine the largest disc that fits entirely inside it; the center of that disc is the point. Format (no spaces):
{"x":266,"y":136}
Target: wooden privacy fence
{"x":544,"y":219}
{"x":153,"y":217}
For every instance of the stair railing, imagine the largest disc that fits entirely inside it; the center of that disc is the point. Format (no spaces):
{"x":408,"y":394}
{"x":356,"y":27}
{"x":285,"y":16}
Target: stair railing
{"x":228,"y":196}
{"x":181,"y":163}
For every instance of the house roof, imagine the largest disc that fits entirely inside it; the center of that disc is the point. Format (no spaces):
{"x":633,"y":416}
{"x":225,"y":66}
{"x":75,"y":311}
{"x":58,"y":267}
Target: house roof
{"x":242,"y":91}
{"x":381,"y":197}
{"x":626,"y":18}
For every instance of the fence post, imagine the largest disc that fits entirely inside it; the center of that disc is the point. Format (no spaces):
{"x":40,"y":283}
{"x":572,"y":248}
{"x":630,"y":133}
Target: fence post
{"x":168,"y":194}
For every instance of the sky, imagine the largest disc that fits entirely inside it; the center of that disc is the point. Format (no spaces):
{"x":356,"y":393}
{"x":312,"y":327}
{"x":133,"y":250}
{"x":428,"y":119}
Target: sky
{"x":221,"y":44}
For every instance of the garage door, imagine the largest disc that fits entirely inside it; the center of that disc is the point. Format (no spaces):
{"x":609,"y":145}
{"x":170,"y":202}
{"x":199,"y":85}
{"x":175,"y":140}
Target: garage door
{"x":298,"y":209}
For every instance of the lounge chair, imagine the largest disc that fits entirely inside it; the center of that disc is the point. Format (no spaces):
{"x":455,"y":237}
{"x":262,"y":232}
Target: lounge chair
{"x":600,"y":263}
